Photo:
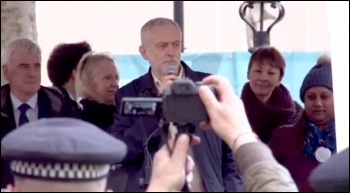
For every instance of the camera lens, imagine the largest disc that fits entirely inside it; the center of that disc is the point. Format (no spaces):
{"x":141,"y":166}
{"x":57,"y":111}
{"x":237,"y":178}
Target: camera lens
{"x":184,"y":88}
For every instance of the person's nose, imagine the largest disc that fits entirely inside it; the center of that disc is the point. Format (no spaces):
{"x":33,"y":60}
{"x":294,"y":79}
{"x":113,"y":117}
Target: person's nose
{"x":318,"y":102}
{"x":115,"y":84}
{"x":263,"y":76}
{"x":171,"y":50}
{"x":33,"y":71}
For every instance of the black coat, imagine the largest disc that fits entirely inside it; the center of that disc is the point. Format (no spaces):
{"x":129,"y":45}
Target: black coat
{"x":50,"y":104}
{"x":102,"y":116}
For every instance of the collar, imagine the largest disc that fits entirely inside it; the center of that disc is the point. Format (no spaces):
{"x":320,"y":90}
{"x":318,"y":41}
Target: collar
{"x":146,"y":81}
{"x":32,"y":102}
{"x":157,"y":82}
{"x":70,"y":95}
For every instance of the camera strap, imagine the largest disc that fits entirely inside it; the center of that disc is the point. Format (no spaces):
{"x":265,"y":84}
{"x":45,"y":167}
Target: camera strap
{"x":172,"y":131}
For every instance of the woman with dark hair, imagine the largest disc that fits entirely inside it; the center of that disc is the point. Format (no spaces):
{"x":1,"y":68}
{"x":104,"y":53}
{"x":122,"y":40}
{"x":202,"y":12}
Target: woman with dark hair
{"x":267,"y":101}
{"x":301,"y":147}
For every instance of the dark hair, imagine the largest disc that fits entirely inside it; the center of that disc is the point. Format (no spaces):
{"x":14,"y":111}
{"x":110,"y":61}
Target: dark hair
{"x":268,"y":55}
{"x":64,"y":59}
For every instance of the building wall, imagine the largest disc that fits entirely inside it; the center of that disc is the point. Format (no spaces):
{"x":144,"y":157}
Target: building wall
{"x":209,"y":27}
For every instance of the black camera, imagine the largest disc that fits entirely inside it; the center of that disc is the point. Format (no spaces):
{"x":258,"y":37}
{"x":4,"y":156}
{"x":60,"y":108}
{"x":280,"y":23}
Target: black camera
{"x":179,"y":103}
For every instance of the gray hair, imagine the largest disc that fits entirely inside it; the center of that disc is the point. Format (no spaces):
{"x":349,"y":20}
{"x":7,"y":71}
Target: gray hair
{"x":156,"y":22}
{"x":27,"y":44}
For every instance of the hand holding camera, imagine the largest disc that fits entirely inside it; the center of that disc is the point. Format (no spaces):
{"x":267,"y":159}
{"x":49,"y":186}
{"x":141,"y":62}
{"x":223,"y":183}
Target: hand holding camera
{"x":226,"y":112}
{"x":179,"y":103}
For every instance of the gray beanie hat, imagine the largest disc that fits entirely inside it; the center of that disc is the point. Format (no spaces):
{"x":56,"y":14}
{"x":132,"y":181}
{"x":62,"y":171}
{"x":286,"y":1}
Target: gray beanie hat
{"x":319,"y":75}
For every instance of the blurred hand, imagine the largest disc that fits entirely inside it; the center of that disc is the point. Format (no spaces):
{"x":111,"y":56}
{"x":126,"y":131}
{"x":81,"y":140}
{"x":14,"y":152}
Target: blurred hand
{"x":227,"y":114}
{"x":170,"y":171}
{"x":166,"y":82}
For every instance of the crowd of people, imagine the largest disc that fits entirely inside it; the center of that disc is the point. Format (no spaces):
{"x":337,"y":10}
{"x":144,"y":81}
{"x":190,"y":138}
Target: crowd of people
{"x":73,"y":137}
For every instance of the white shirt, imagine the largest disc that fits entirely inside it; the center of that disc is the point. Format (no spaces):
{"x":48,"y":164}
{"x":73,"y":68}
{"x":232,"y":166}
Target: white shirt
{"x":70,"y":95}
{"x":32,"y":112}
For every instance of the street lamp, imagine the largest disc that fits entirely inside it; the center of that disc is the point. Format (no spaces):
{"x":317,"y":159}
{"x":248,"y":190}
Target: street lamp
{"x":179,"y":19}
{"x":260,"y":37}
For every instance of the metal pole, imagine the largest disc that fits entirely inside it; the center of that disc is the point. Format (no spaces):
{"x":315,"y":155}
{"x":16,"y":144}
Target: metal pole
{"x":179,"y":19}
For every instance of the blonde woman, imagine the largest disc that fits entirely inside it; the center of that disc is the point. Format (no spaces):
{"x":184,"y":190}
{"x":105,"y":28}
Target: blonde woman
{"x":97,"y":81}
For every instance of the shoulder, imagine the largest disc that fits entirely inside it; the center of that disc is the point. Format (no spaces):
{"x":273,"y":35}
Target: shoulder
{"x":298,"y":112}
{"x":55,"y":89}
{"x":63,"y":106}
{"x":131,"y":88}
{"x":281,"y":134}
{"x":5,"y":125}
{"x":51,"y":93}
{"x":192,"y":74}
{"x":298,"y":109}
{"x":201,"y":74}
{"x":284,"y":129}
{"x":5,"y":91}
{"x":196,"y":75}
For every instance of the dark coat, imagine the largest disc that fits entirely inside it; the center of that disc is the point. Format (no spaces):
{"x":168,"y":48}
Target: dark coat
{"x":68,"y":100}
{"x":50,"y":104}
{"x":102,"y":116}
{"x":212,"y":156}
{"x":286,"y":145}
{"x":6,"y":177}
{"x":99,"y":114}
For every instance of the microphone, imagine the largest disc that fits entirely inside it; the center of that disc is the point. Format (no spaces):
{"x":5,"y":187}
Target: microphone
{"x":172,"y":70}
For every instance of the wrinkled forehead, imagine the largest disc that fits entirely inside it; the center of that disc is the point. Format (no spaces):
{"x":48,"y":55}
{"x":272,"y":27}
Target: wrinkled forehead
{"x":104,"y":66}
{"x":24,"y":55}
{"x":164,"y":34}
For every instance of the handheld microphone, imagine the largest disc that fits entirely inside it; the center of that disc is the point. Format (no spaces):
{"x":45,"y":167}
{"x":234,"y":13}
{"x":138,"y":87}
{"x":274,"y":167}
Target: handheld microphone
{"x":172,"y":70}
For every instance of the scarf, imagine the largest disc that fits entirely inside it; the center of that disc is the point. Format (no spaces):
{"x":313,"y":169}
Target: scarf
{"x":316,"y":138}
{"x":265,"y":118}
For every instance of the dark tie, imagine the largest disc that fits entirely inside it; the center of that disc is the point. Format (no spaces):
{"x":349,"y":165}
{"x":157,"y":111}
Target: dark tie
{"x":23,"y":117}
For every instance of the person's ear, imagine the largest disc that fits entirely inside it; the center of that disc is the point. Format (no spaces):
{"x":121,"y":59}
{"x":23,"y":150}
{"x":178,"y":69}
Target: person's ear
{"x":143,"y":52}
{"x":73,"y":74}
{"x":5,"y":71}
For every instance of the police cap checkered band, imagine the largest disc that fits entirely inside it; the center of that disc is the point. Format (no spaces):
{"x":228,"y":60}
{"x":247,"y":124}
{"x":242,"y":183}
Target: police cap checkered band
{"x":60,"y":171}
